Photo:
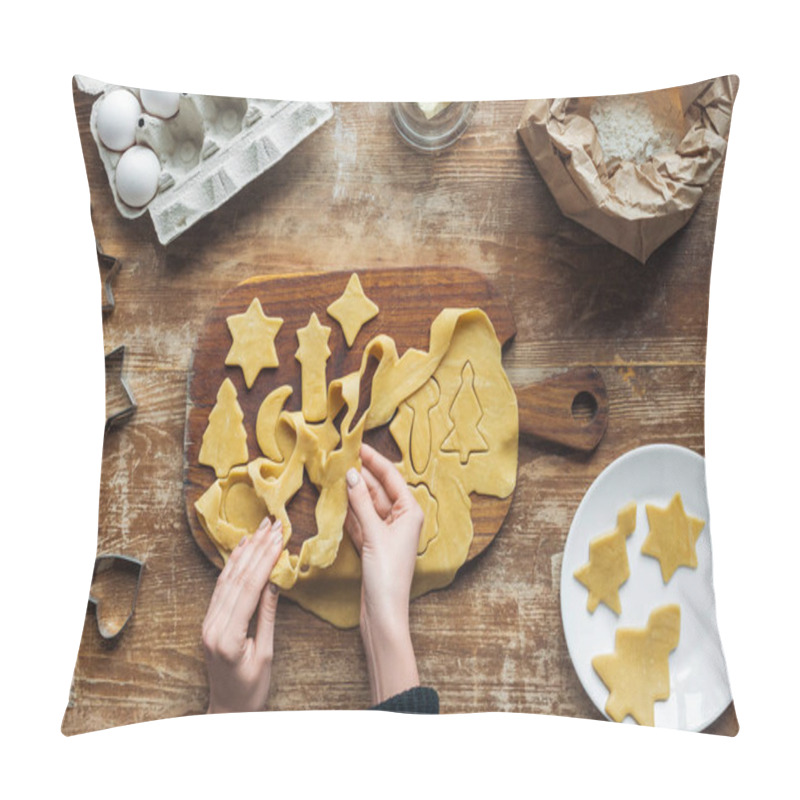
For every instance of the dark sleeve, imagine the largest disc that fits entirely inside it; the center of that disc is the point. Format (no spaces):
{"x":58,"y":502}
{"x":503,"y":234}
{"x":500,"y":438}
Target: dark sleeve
{"x":419,"y":700}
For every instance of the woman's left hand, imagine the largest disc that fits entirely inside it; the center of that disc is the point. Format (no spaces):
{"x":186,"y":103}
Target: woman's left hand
{"x":239,"y":666}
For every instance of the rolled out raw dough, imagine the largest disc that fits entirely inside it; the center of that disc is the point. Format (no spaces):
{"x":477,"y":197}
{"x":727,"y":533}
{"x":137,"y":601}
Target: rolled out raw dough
{"x":325,"y":577}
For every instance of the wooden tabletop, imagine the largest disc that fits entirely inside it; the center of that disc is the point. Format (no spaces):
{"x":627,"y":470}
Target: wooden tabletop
{"x":354,"y":195}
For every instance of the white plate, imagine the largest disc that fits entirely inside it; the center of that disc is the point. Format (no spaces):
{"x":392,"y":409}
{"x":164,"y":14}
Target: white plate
{"x":699,"y":689}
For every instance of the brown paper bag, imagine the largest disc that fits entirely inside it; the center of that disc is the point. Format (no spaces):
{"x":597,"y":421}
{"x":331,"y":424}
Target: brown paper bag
{"x":634,"y":206}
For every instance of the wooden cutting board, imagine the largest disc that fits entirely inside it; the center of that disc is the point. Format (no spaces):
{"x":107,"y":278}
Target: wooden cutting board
{"x":409,"y":300}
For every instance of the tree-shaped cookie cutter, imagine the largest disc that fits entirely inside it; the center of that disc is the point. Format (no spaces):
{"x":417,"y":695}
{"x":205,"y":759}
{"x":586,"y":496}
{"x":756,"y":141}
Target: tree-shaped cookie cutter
{"x":105,"y":563}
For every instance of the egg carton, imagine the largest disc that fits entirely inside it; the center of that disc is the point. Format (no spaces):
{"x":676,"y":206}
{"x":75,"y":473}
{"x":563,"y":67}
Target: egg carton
{"x":209,"y":150}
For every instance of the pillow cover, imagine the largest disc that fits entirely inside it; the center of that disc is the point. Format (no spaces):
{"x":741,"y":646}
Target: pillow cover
{"x":506,"y":299}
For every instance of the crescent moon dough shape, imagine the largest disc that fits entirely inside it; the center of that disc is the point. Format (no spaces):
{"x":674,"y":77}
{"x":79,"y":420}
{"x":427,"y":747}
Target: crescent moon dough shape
{"x":267,"y":421}
{"x":325,"y":577}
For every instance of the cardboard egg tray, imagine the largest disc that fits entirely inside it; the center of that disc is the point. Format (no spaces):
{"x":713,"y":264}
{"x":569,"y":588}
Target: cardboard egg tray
{"x":208,"y":151}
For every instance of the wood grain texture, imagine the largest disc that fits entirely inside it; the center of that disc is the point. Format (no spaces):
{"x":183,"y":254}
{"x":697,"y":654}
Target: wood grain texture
{"x":569,"y":409}
{"x":354,"y":196}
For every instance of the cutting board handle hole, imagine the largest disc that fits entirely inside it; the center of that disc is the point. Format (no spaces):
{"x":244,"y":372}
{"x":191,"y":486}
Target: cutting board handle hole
{"x":584,"y":407}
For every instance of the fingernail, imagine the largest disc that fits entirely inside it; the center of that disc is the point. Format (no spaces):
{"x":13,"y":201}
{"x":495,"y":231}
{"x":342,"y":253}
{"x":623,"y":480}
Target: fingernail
{"x":352,"y":476}
{"x":264,"y":524}
{"x":277,"y":533}
{"x":273,"y":588}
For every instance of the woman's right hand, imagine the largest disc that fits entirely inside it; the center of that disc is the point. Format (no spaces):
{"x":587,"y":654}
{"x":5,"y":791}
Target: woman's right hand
{"x":384,"y":521}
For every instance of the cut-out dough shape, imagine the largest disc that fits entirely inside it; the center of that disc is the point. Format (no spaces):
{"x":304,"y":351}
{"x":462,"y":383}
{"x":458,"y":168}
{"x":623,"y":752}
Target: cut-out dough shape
{"x":637,"y":672}
{"x":225,"y":439}
{"x":672,"y":537}
{"x":353,"y":309}
{"x":325,"y":577}
{"x":466,"y":413}
{"x":313,"y":354}
{"x":608,"y":568}
{"x":253,"y":346}
{"x":427,"y":502}
{"x":267,"y":421}
{"x":421,"y":404}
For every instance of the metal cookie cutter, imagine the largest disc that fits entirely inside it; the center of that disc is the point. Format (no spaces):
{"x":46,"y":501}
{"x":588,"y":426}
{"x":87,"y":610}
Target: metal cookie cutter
{"x":111,"y":630}
{"x":109,"y":267}
{"x":116,"y":384}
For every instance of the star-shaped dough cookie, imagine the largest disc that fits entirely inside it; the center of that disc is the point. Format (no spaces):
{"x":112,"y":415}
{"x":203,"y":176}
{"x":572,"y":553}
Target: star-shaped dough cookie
{"x":672,"y":537}
{"x":353,"y":309}
{"x":637,"y":672}
{"x":608,"y":568}
{"x":253,"y":345}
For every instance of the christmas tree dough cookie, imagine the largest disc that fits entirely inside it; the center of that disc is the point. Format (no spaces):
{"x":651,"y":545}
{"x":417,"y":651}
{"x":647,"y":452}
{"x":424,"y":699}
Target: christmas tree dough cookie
{"x":253,"y":345}
{"x":465,"y":414}
{"x":225,"y":439}
{"x":608,"y":568}
{"x":672,"y":537}
{"x":637,"y":672}
{"x":353,"y":309}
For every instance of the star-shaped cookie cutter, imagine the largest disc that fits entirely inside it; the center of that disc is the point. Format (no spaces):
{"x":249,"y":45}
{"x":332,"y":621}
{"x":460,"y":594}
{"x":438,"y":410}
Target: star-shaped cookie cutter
{"x":115,"y":561}
{"x":115,"y":361}
{"x":109,"y":267}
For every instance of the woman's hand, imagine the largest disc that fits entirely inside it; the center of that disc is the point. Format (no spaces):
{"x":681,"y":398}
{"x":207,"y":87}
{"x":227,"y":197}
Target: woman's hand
{"x":384,"y":522}
{"x":239,"y":667}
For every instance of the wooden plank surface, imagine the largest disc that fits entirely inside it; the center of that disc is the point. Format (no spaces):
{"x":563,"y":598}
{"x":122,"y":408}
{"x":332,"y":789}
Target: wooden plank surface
{"x":354,"y":196}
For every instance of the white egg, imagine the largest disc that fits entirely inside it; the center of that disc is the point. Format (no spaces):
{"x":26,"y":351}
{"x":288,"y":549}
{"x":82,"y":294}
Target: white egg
{"x":137,"y":176}
{"x":116,"y":119}
{"x":160,"y":104}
